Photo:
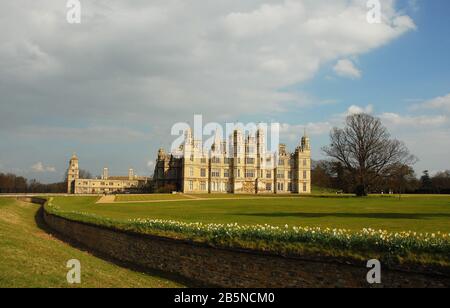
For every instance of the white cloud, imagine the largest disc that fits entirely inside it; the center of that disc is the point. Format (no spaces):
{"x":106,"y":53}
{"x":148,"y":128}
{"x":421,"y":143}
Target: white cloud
{"x":152,"y":56}
{"x":439,"y":103}
{"x":293,"y":132}
{"x":394,"y":119}
{"x":39,"y":167}
{"x":346,"y":68}
{"x":89,"y":134}
{"x":354,"y":109}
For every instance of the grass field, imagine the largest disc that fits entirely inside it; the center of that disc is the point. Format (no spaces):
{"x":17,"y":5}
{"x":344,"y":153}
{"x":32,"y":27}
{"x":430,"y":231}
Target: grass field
{"x":239,"y":222}
{"x":416,"y":213}
{"x":30,"y":257}
{"x":139,"y":198}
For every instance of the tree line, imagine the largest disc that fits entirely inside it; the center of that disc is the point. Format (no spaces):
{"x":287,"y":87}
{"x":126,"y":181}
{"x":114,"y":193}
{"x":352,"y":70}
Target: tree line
{"x":363,"y":158}
{"x":13,"y":184}
{"x":332,"y":175}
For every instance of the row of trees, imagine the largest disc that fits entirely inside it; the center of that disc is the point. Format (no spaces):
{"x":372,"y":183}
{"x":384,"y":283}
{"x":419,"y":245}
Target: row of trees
{"x":401,"y":180}
{"x":11,"y":183}
{"x":363,"y":158}
{"x":14,"y":184}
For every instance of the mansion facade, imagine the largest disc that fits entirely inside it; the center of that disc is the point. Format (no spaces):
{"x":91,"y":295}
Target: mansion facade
{"x":244,"y":167}
{"x":104,"y":185}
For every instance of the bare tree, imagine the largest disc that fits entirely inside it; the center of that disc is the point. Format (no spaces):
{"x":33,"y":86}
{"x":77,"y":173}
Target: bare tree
{"x":364,"y":147}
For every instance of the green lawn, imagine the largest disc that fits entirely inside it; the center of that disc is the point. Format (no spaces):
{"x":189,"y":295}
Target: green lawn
{"x":139,"y":198}
{"x":416,"y":213}
{"x":30,"y":257}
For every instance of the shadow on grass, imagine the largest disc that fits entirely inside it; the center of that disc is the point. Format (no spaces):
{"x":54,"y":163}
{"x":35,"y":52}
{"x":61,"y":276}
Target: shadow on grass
{"x":39,"y":218}
{"x":417,"y":216}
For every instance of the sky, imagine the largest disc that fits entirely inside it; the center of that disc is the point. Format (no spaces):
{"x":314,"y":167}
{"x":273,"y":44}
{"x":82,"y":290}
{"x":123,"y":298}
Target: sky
{"x":111,"y":87}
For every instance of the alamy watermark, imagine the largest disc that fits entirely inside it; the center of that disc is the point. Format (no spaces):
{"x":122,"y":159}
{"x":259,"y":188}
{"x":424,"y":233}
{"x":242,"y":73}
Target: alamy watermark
{"x":74,"y":274}
{"x":74,"y":11}
{"x":231,"y":139}
{"x":374,"y":274}
{"x":374,"y":13}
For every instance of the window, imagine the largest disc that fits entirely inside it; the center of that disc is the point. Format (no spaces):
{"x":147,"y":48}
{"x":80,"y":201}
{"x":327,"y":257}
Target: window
{"x":280,"y":186}
{"x":239,"y":173}
{"x":192,"y":157}
{"x":281,"y":162}
{"x":249,"y":161}
{"x":249,"y":173}
{"x":305,"y":176}
{"x":268,"y":174}
{"x":203,"y":186}
{"x":304,"y":187}
{"x":215,"y":173}
{"x":290,"y":187}
{"x":191,"y":185}
{"x":215,"y":160}
{"x":268,"y":186}
{"x":203,"y":172}
{"x":191,"y":172}
{"x":290,"y":175}
{"x":280,"y":175}
{"x":226,"y":173}
{"x":305,"y":162}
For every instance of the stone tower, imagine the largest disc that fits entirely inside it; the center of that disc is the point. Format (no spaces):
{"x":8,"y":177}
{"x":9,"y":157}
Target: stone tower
{"x":302,"y":178}
{"x":105,"y":174}
{"x":73,"y":174}
{"x":130,"y":174}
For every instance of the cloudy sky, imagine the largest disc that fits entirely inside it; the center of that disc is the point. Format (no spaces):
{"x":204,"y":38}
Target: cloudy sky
{"x":111,"y":87}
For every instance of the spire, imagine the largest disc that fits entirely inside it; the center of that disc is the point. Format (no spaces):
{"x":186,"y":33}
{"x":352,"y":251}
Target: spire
{"x":74,"y":156}
{"x":305,"y":143}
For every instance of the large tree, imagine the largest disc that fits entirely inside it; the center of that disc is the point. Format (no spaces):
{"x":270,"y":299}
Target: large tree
{"x":366,"y":150}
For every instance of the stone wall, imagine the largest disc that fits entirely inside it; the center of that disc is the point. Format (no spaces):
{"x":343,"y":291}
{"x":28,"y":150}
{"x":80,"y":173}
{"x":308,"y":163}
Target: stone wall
{"x":212,"y":267}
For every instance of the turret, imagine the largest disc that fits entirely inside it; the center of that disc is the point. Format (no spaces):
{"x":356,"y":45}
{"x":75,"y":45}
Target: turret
{"x":131,"y":174}
{"x":305,"y":143}
{"x":105,"y":173}
{"x":161,"y":154}
{"x":73,"y":174}
{"x":261,"y":141}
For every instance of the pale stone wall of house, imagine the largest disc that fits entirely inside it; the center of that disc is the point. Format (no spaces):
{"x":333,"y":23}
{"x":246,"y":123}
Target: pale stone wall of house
{"x":107,"y":184}
{"x":247,"y":170}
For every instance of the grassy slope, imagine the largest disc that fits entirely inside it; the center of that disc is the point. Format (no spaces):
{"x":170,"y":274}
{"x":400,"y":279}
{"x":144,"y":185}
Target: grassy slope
{"x":418,"y":213}
{"x":31,"y":258}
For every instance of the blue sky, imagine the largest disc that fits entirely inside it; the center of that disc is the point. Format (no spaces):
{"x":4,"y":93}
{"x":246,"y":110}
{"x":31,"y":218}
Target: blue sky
{"x":110,"y":88}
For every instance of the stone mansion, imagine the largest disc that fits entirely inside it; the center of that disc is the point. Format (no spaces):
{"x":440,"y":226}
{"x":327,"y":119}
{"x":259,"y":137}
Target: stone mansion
{"x":245,"y":167}
{"x":104,"y":185}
